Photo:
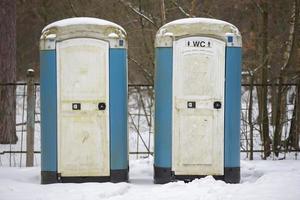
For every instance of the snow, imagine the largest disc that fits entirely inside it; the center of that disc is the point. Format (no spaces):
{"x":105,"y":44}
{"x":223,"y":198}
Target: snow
{"x":264,"y":180}
{"x":81,"y":21}
{"x":197,"y":20}
{"x":196,"y":26}
{"x":271,"y":179}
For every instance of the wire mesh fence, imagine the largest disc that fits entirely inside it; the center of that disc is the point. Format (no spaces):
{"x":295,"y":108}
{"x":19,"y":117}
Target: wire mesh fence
{"x":141,"y":126}
{"x":13,"y":154}
{"x":285,"y":123}
{"x":140,"y":117}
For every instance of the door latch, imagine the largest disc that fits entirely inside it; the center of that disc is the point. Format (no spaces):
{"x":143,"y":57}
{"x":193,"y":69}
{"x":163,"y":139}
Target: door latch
{"x":191,"y":104}
{"x":101,"y":106}
{"x":76,"y":106}
{"x":217,"y":105}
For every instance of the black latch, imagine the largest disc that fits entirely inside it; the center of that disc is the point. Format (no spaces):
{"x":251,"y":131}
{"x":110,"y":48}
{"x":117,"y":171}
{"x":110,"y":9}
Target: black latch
{"x":101,"y":106}
{"x":76,"y":106}
{"x":191,"y":104}
{"x":217,"y":104}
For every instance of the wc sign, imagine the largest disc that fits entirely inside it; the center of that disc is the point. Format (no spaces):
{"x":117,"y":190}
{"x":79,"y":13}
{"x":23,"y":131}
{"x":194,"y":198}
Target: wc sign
{"x":198,"y":43}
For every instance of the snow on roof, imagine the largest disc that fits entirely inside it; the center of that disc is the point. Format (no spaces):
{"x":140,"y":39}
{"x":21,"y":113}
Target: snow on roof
{"x":82,"y":21}
{"x":199,"y":25}
{"x":197,"y":20}
{"x":196,"y":26}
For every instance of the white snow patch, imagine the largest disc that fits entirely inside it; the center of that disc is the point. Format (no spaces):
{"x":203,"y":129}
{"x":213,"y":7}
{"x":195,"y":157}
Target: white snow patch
{"x":82,"y":20}
{"x":260,"y":180}
{"x":196,"y":20}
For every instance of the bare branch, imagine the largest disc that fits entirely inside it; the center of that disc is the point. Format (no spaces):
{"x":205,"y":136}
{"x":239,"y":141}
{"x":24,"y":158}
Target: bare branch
{"x":192,"y":12}
{"x":258,"y":6}
{"x":181,"y":9}
{"x":72,"y":8}
{"x":291,"y":40}
{"x":163,"y":11}
{"x":138,"y":132}
{"x":147,"y":74}
{"x":136,"y":11}
{"x":193,"y":8}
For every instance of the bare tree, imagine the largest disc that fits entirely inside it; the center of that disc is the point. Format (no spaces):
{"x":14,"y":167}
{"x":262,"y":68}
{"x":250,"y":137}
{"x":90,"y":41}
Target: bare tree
{"x":263,"y":10}
{"x":281,"y":104}
{"x":163,"y":12}
{"x":183,"y":12}
{"x":292,"y":142}
{"x":193,"y":8}
{"x":139,"y":12}
{"x":7,"y":71}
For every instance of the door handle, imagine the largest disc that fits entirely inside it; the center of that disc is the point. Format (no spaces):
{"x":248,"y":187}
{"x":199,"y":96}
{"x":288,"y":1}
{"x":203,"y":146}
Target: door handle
{"x":191,"y":104}
{"x":101,"y":106}
{"x":217,"y":105}
{"x":76,"y":106}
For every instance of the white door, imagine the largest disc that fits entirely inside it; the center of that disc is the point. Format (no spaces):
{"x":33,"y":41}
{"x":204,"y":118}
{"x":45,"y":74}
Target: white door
{"x":83,"y":127}
{"x":198,"y":106}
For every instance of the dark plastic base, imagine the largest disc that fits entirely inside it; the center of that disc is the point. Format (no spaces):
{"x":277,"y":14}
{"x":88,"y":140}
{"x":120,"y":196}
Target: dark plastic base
{"x":165,"y":175}
{"x":120,"y":175}
{"x":116,"y":176}
{"x":162,"y":175}
{"x":81,"y":179}
{"x":48,"y":177}
{"x":232,"y":174}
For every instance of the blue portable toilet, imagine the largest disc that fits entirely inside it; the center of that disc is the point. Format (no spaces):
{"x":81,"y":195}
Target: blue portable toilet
{"x":83,"y":75}
{"x":197,"y":106}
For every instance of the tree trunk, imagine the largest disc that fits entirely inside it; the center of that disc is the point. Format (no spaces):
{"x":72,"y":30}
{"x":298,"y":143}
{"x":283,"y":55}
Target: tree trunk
{"x":288,"y":62}
{"x":264,"y":78}
{"x":7,"y":71}
{"x":162,"y":12}
{"x":297,"y":115}
{"x":193,"y":8}
{"x":149,"y":49}
{"x":292,"y":142}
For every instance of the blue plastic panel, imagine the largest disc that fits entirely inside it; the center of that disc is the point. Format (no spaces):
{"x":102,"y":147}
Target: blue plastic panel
{"x":163,"y":107}
{"x":118,"y":108}
{"x":232,"y":106}
{"x":48,"y":110}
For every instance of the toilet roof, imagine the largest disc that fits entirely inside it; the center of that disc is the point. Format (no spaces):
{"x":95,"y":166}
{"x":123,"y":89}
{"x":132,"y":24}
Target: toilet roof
{"x":197,"y":26}
{"x":82,"y":26}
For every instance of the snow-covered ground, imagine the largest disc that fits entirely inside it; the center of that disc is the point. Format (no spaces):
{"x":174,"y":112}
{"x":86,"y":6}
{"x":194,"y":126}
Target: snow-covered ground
{"x":263,"y":180}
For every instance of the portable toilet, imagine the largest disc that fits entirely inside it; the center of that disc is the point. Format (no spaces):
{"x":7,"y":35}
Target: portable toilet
{"x":197,"y":106}
{"x":83,"y":77}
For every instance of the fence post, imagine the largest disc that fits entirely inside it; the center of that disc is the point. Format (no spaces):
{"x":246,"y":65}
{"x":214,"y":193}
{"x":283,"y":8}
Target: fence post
{"x":297,"y":114}
{"x":250,"y":114}
{"x":30,"y":118}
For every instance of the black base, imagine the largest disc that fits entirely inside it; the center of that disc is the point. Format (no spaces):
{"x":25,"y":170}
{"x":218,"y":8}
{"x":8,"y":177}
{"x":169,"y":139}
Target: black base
{"x":82,"y":179}
{"x":116,"y":176}
{"x":165,"y":175}
{"x":120,"y":175}
{"x":232,"y":174}
{"x":48,"y":177}
{"x":162,"y":175}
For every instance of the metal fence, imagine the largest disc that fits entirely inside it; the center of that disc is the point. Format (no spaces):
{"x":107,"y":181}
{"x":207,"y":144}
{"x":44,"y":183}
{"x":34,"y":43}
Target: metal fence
{"x":251,"y":122}
{"x":13,"y":154}
{"x":140,"y":118}
{"x":140,"y":126}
